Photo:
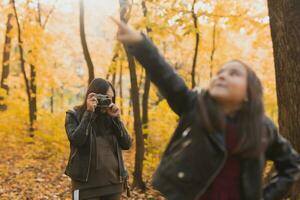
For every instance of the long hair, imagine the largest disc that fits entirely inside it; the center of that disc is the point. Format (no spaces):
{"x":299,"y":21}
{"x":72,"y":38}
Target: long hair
{"x":249,"y":117}
{"x":98,"y":86}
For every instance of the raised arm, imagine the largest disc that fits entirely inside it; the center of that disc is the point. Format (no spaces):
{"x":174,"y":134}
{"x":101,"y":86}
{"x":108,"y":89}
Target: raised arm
{"x":170,"y":84}
{"x":287,"y":164}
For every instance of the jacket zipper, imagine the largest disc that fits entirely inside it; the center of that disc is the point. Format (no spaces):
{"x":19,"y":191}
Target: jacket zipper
{"x":212,"y":177}
{"x":182,"y":147}
{"x":119,"y":151}
{"x":73,"y":155}
{"x":179,"y":140}
{"x":88,"y":172}
{"x":119,"y":162}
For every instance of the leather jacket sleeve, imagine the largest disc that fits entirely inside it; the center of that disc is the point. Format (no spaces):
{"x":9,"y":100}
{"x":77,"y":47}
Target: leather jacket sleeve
{"x":122,"y":135}
{"x":286,"y":162}
{"x":77,"y":132}
{"x":170,"y":84}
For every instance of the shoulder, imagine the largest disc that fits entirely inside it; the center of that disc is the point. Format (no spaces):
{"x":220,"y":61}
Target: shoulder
{"x":199,"y":94}
{"x":268,"y":122}
{"x":270,"y":126}
{"x":191,"y":100}
{"x":72,"y":113}
{"x":271,"y":132}
{"x":197,"y":90}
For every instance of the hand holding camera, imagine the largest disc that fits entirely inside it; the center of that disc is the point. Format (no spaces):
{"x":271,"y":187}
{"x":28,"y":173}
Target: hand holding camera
{"x":104,"y":102}
{"x":91,"y":102}
{"x":114,"y":110}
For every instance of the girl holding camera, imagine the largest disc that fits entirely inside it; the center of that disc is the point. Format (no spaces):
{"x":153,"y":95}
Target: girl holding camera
{"x":97,"y":137}
{"x":223,"y":138}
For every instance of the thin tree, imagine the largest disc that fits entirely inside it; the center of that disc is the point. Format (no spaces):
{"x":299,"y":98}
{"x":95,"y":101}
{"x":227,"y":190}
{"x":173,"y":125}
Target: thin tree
{"x":147,"y":83}
{"x":112,"y":71}
{"x":285,"y":31}
{"x":85,"y":48}
{"x":197,"y":40}
{"x":139,"y":155}
{"x":213,"y":49}
{"x":33,"y":85}
{"x":32,"y":116}
{"x":30,"y":81}
{"x":120,"y":83}
{"x":6,"y":57}
{"x":43,"y":23}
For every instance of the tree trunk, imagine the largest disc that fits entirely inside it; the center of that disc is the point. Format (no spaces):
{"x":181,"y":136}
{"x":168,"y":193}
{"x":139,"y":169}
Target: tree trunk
{"x":114,"y":76}
{"x":33,"y":88}
{"x":285,"y":32}
{"x":52,"y":100}
{"x":197,"y":39}
{"x":39,"y":9}
{"x":147,"y":83}
{"x":141,"y":79}
{"x":121,"y":88}
{"x":145,"y":103}
{"x":62,"y":96}
{"x":6,"y":57}
{"x":85,"y":49}
{"x":213,"y":50}
{"x":33,"y":85}
{"x":22,"y":65}
{"x":139,"y":155}
{"x":112,"y":68}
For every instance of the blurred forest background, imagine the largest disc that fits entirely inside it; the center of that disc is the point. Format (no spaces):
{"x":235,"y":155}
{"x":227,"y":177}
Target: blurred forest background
{"x":51,"y":49}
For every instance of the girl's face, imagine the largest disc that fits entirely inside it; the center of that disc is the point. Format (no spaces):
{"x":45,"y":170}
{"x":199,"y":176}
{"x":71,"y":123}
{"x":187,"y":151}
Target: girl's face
{"x":229,"y":85}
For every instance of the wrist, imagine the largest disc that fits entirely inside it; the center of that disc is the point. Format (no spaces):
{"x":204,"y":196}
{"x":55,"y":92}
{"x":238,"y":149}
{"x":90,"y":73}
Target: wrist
{"x":114,"y":115}
{"x":140,"y":37}
{"x":87,"y":115}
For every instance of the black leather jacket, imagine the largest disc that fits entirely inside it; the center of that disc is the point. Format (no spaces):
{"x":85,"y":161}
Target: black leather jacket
{"x":80,"y":134}
{"x":193,"y":158}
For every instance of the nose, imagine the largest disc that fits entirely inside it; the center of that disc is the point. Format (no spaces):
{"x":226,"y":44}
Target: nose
{"x":221,"y":76}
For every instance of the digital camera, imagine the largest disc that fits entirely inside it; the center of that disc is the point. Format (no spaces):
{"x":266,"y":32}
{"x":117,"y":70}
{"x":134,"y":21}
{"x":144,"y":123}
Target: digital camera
{"x":103,"y":100}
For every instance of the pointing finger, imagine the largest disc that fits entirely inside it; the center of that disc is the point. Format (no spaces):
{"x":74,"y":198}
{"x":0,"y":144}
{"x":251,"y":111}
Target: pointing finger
{"x":119,"y":23}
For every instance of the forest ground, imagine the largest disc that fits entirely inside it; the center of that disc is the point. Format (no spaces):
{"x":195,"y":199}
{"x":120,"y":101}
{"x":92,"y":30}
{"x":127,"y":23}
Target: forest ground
{"x":33,"y":168}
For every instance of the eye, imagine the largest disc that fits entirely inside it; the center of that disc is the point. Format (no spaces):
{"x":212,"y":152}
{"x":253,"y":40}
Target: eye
{"x":235,"y":73}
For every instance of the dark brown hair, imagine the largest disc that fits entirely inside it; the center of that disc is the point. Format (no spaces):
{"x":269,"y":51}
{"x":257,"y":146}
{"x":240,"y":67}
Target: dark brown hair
{"x":98,"y":86}
{"x":249,"y":117}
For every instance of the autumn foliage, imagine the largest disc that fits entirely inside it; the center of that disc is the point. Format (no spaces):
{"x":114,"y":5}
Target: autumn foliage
{"x":33,"y":160}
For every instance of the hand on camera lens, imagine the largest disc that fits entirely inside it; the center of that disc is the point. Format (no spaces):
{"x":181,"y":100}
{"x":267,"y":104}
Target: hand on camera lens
{"x":113,"y":110}
{"x":91,"y":102}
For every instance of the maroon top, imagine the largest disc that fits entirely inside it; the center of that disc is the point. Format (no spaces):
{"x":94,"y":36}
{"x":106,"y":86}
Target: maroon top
{"x":226,"y":185}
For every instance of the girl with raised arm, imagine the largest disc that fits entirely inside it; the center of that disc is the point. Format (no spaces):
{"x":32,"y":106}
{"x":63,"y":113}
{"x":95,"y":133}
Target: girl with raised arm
{"x":223,"y":139}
